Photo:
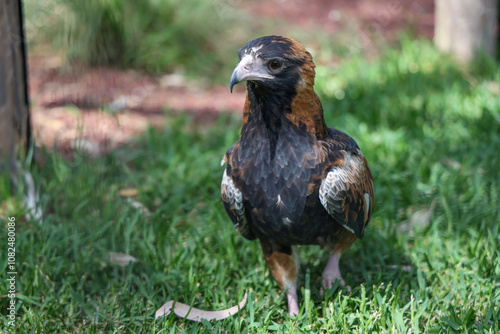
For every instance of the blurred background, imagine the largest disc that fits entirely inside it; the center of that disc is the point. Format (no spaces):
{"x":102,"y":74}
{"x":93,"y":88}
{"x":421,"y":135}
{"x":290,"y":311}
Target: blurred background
{"x":117,"y":198}
{"x":109,"y":68}
{"x":93,"y":63}
{"x":101,"y":71}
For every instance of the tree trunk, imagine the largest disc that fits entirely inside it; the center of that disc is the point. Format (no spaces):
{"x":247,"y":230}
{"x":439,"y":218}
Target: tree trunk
{"x":15,"y":130}
{"x":466,"y":27}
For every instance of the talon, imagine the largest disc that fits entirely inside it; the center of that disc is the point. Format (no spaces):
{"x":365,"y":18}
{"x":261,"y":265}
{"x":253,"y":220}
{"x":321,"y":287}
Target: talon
{"x":331,"y":273}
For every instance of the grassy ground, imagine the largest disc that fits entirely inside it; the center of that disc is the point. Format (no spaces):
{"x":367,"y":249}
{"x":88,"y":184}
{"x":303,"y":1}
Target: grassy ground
{"x":428,"y":263}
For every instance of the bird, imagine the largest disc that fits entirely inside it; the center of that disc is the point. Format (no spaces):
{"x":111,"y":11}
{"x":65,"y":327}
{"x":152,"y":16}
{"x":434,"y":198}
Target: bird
{"x":289,"y":179}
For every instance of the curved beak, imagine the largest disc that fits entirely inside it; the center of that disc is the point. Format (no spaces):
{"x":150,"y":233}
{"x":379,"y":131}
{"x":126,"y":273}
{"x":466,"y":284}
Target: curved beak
{"x":249,"y":68}
{"x":235,"y":79}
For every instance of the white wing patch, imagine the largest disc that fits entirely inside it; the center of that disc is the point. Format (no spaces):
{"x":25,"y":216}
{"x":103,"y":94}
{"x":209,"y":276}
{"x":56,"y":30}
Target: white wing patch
{"x":232,"y":195}
{"x":331,"y":191}
{"x":234,"y":198}
{"x":367,"y":205}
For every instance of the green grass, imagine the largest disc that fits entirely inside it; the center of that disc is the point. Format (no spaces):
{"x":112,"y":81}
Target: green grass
{"x":431,"y":133}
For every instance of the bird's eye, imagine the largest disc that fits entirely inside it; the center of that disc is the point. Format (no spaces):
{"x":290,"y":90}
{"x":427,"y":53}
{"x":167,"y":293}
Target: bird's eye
{"x":275,"y":64}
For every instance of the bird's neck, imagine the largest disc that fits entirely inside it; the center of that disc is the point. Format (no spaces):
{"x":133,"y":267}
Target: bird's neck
{"x":302,"y":109}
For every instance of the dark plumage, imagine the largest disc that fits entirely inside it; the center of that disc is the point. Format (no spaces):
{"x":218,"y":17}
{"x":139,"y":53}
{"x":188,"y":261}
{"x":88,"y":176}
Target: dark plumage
{"x":291,"y":180}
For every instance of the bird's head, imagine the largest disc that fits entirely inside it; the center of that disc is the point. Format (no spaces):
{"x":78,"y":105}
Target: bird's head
{"x":280,"y":84}
{"x":274,"y":64}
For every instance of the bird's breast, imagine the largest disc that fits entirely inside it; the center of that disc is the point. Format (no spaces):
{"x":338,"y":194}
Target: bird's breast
{"x":280,"y":187}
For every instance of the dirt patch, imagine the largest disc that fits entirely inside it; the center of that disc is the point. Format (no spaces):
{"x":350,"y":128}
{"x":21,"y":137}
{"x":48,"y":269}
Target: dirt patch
{"x":97,"y":110}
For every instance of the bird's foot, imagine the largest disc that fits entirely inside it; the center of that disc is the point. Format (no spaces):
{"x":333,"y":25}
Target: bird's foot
{"x":328,"y":280}
{"x":332,"y":273}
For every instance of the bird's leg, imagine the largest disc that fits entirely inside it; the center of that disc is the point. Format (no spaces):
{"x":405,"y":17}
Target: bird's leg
{"x":332,"y":272}
{"x":283,"y":264}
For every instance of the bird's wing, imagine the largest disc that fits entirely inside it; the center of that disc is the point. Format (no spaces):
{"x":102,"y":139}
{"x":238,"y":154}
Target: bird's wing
{"x":346,"y":191}
{"x":233,"y":202}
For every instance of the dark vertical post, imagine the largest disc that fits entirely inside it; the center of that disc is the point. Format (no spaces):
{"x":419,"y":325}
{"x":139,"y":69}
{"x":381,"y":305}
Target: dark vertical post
{"x":15,"y":128}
